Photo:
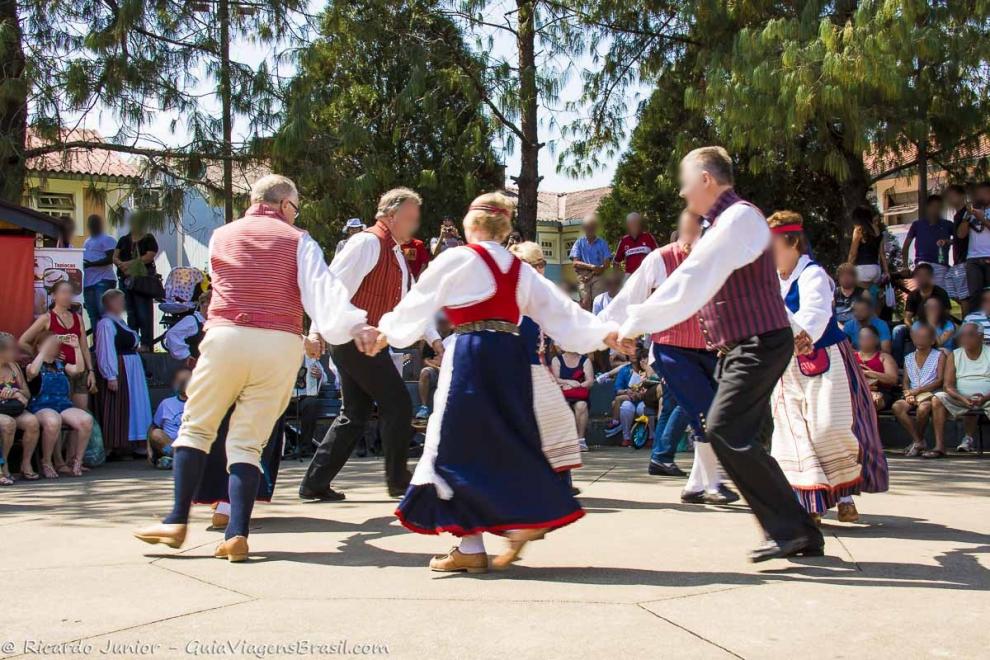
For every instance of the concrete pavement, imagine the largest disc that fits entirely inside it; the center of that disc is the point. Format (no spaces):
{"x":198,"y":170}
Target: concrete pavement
{"x":641,"y":576}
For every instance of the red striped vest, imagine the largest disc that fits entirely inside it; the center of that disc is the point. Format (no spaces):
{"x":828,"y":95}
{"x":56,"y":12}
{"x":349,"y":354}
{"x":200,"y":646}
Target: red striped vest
{"x":687,"y":333}
{"x":381,"y":289}
{"x":253,"y":265}
{"x":749,"y":303}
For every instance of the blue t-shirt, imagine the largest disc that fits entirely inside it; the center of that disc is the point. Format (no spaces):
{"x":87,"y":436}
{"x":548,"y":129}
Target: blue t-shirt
{"x":168,"y":417}
{"x":596,"y":253}
{"x":622,"y":378}
{"x":94,"y":249}
{"x":852,"y":328}
{"x":926,"y":237}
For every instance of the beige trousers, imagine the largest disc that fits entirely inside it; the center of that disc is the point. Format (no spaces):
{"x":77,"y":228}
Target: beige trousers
{"x":251,"y":367}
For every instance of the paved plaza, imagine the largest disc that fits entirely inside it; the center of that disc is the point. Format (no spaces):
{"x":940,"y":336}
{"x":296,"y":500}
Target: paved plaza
{"x":641,"y":576}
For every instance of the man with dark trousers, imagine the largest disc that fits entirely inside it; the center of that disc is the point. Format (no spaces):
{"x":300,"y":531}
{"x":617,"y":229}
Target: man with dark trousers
{"x":730,"y":281}
{"x":375,"y":272}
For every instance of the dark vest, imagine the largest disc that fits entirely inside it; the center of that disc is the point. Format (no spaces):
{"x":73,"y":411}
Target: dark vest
{"x":194,"y":341}
{"x":833,"y":333}
{"x":749,"y":303}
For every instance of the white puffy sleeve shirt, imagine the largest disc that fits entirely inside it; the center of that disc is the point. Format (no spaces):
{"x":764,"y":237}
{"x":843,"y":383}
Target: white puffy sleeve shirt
{"x":324,"y":297}
{"x":815,"y":294}
{"x":459,"y":277}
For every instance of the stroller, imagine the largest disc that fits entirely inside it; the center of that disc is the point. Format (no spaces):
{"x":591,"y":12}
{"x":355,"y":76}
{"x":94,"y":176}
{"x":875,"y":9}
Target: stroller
{"x":183,"y":286}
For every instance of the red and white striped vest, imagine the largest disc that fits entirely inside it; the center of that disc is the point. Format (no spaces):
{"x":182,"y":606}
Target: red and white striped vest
{"x":381,"y":289}
{"x":749,"y":303}
{"x":254,"y":271}
{"x":687,"y":333}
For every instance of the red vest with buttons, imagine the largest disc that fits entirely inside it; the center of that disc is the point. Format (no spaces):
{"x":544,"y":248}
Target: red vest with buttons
{"x":502,"y":305}
{"x":381,"y":289}
{"x":687,"y":333}
{"x":749,"y":303}
{"x":253,"y":265}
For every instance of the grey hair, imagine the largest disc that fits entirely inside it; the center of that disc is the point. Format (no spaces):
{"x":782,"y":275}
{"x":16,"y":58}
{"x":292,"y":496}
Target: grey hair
{"x":390,"y":202}
{"x":272,"y":189}
{"x":714,"y":160}
{"x":6,"y":340}
{"x":110,"y":294}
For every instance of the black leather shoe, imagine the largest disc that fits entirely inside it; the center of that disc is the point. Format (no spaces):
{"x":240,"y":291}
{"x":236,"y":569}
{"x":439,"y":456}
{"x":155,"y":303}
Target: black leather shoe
{"x":715,"y":498}
{"x":575,"y":491}
{"x":329,"y":495}
{"x":799,"y":547}
{"x":666,"y":470}
{"x":729,"y":494}
{"x":697,"y":497}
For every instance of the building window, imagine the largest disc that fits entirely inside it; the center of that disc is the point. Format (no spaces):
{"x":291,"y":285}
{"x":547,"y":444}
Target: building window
{"x":568,"y":245}
{"x":547,"y":249}
{"x":59,"y":205}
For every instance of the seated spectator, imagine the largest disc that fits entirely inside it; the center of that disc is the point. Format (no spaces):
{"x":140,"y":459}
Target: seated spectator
{"x":575,"y":376}
{"x":429,"y":375}
{"x":966,"y":390}
{"x":864,"y":315}
{"x":613,"y":284}
{"x":123,"y":404}
{"x":914,"y":308}
{"x":923,"y":376}
{"x":48,"y":379}
{"x":312,"y":378}
{"x":621,"y":391}
{"x":981,"y":317}
{"x":937,"y":316}
{"x":14,"y":416}
{"x":168,"y":417}
{"x":641,"y":396}
{"x":878,"y":367}
{"x":846,"y":292}
{"x":182,"y":339}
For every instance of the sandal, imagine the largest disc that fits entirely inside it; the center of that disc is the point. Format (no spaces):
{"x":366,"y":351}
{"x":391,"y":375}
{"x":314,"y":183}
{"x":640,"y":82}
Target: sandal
{"x":49,"y":471}
{"x":6,"y":480}
{"x":29,"y":475}
{"x":934,"y":453}
{"x":914,"y":451}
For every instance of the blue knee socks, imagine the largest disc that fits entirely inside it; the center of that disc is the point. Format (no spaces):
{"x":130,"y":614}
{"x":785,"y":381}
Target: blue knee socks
{"x":188,"y":465}
{"x":242,"y":488}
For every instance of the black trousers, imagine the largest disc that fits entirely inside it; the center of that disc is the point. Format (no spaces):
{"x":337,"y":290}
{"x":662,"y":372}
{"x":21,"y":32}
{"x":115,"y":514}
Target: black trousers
{"x":141,"y":316}
{"x":307,"y":408}
{"x":365,"y":381}
{"x":977,"y":279}
{"x":739,"y":417}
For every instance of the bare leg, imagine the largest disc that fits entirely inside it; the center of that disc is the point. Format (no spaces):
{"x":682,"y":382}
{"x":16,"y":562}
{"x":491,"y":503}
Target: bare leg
{"x":939,"y":416}
{"x":901,"y":409}
{"x":30,"y":429}
{"x":581,"y":417}
{"x":159,"y":440}
{"x":924,"y":412}
{"x":81,"y":423}
{"x":51,"y":429}
{"x":8,"y":427}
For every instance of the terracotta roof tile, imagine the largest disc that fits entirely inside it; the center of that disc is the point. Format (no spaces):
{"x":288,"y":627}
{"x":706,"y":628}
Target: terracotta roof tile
{"x":91,"y":162}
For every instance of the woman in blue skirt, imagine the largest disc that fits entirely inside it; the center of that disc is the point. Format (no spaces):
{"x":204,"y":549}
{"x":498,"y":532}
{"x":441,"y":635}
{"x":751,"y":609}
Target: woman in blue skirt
{"x":483,"y":469}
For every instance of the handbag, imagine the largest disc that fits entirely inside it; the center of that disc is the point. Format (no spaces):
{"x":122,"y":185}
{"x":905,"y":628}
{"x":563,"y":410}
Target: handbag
{"x":149,"y":286}
{"x":815,"y":363}
{"x":11,"y":407}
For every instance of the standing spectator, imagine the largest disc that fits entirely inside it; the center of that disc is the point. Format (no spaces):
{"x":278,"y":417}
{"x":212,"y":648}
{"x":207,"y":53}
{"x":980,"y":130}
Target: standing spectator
{"x":98,"y":277}
{"x":975,"y":226}
{"x":937,"y":316}
{"x":864,"y":315}
{"x":14,"y":416}
{"x":575,"y":376}
{"x":48,"y":379}
{"x":931,"y":237}
{"x":613,"y":284}
{"x":878,"y":367}
{"x":866,"y":249}
{"x":449,"y":237}
{"x":591,"y":257}
{"x":914,"y":307}
{"x":923,"y":375}
{"x":167,"y":420}
{"x":981,"y":317}
{"x":182,"y":340}
{"x":124,"y":405}
{"x":351,"y":227}
{"x":429,"y":375}
{"x":635,"y":245}
{"x":64,"y":322}
{"x":846,"y":293}
{"x":967,"y":389}
{"x":135,"y":257}
{"x":417,"y":256}
{"x":956,"y":284}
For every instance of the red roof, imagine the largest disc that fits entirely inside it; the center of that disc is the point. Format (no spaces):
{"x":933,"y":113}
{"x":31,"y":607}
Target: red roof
{"x":82,"y":161}
{"x":561,"y":207}
{"x":878,"y":162}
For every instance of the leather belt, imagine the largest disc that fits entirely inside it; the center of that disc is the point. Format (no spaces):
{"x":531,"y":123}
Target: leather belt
{"x":489,"y":325}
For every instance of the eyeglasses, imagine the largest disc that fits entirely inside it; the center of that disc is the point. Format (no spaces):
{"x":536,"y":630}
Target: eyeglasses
{"x":294,"y":207}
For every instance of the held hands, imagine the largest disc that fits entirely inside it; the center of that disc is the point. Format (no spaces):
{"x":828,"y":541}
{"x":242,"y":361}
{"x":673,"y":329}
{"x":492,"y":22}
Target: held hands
{"x":803,"y":344}
{"x":314,"y":345}
{"x":625,"y":345}
{"x":367,"y":339}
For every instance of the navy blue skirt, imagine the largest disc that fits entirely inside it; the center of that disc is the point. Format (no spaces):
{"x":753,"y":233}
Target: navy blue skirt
{"x":483,"y":468}
{"x":213,"y":487}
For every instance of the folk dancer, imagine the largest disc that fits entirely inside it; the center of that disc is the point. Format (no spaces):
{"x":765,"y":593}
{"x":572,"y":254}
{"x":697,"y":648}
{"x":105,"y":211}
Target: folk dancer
{"x":266,"y":273}
{"x":730,"y":280}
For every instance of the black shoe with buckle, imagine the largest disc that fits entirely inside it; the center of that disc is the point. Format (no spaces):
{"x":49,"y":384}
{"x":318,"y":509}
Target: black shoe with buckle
{"x":666,"y":470}
{"x":328,"y":495}
{"x":802,"y":546}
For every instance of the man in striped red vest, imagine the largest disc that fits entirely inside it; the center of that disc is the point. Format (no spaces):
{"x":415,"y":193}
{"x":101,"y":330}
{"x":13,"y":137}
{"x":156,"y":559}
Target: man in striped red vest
{"x":375,"y":273}
{"x":729,"y":279}
{"x":266,"y":272}
{"x":683,"y":359}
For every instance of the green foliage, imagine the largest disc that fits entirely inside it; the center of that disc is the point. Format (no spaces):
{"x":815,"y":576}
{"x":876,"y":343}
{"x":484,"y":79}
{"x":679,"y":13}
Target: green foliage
{"x":381,"y":100}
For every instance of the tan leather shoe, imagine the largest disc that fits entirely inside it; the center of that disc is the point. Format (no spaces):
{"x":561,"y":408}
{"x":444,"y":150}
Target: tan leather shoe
{"x":456,"y":561}
{"x":848,"y":512}
{"x":234,"y":549}
{"x":172,"y":535}
{"x":219,"y":520}
{"x":817,"y":519}
{"x":518,"y":538}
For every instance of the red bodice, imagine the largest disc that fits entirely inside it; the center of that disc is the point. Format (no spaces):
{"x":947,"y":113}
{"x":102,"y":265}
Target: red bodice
{"x":501,"y":305}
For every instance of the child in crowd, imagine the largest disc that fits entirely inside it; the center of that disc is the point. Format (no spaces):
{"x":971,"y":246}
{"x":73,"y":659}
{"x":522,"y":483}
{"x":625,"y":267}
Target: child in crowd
{"x":14,"y":416}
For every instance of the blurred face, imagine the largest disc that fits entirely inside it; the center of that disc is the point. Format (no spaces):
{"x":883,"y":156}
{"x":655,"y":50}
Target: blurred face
{"x":405,"y":221}
{"x":688,"y":227}
{"x":114,"y":305}
{"x":983,"y":196}
{"x":868,"y":341}
{"x":785,"y":255}
{"x":933,"y":210}
{"x":699,"y":189}
{"x":923,"y":278}
{"x":204,"y":305}
{"x":613,"y":284}
{"x":353,"y":230}
{"x":95,"y":225}
{"x":955,"y":199}
{"x":970,"y":337}
{"x":443,"y":326}
{"x":847,"y":279}
{"x":62,"y":295}
{"x":923,"y":337}
{"x":49,"y":348}
{"x":862,"y":310}
{"x":181,"y":381}
{"x":933,"y":308}
{"x":7,"y":353}
{"x":590,"y":225}
{"x":634,"y":224}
